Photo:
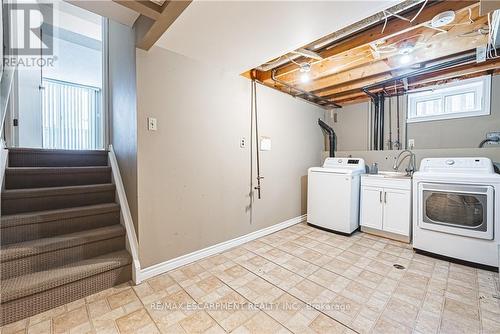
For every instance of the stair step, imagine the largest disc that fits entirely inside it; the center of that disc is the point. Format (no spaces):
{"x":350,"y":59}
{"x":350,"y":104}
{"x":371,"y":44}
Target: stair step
{"x":39,"y":199}
{"x":40,"y":177}
{"x":30,"y":157}
{"x":42,"y":224}
{"x":30,"y":294}
{"x":42,"y":254}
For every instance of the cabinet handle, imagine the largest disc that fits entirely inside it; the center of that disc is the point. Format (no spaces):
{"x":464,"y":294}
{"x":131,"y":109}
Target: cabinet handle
{"x":385,"y":197}
{"x":380,"y":193}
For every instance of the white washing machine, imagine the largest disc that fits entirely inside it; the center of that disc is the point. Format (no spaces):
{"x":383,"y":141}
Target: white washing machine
{"x":456,"y":209}
{"x":333,"y":194}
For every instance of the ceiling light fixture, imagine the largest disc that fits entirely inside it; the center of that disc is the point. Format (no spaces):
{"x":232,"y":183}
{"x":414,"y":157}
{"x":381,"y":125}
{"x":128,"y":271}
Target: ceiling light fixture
{"x":305,"y":68}
{"x":304,"y":77}
{"x":443,"y":19}
{"x":405,"y":58}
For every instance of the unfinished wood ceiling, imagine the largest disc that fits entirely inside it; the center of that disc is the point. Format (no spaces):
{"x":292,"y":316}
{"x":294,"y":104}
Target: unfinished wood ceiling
{"x":381,"y":51}
{"x":155,"y":16}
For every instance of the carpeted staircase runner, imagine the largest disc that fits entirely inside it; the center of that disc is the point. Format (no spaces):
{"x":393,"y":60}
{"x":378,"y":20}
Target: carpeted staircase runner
{"x":60,"y":232}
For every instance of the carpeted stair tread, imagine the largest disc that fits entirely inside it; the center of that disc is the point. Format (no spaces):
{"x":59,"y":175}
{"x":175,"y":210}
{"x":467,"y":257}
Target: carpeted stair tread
{"x":51,"y":198}
{"x":31,"y":157}
{"x":37,"y":217}
{"x":26,"y":285}
{"x":38,"y":177}
{"x":56,"y":170}
{"x":15,"y":251}
{"x":52,"y":191}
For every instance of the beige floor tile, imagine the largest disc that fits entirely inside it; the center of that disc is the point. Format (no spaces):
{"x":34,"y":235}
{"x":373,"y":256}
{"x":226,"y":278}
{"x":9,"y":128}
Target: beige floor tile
{"x":44,"y":327}
{"x":362,"y":324}
{"x":122,"y":298}
{"x":387,"y":326}
{"x":402,"y":312}
{"x":66,"y":321}
{"x":324,"y":324}
{"x":345,"y":280}
{"x":428,"y":322}
{"x":261,"y":323}
{"x":98,"y":308}
{"x":197,"y":322}
{"x":45,"y":315}
{"x":132,"y":322}
{"x":18,"y":326}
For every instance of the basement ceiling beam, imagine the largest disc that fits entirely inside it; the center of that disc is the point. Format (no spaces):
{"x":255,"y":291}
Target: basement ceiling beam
{"x":459,"y":72}
{"x":394,"y":27}
{"x":150,"y":31}
{"x":146,"y":8}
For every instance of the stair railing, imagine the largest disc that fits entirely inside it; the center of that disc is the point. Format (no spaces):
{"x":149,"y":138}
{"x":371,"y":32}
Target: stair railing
{"x":7,"y":79}
{"x":126,"y":217}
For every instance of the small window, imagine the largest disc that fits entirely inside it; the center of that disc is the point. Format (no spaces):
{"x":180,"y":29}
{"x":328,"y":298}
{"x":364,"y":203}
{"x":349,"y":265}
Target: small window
{"x":466,"y":98}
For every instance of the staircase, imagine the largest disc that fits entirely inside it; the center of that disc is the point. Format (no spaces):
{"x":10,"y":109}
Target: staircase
{"x":60,"y":232}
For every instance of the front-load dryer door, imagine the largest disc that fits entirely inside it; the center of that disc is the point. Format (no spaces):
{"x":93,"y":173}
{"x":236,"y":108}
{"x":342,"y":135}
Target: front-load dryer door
{"x":457,"y":209}
{"x":329,"y":201}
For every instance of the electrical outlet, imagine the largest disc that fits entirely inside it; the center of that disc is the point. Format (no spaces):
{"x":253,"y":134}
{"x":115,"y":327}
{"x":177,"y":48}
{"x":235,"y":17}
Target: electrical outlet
{"x":152,"y":126}
{"x":243,"y":142}
{"x":411,"y":144}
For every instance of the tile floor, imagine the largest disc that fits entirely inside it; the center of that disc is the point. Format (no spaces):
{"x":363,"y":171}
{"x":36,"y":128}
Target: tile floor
{"x":300,"y":280}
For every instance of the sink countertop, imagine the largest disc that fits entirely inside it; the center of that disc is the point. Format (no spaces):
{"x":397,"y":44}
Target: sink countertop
{"x":389,"y":175}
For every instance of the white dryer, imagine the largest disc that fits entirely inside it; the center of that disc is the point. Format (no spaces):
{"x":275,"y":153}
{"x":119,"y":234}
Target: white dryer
{"x":456,"y":208}
{"x":333,"y":194}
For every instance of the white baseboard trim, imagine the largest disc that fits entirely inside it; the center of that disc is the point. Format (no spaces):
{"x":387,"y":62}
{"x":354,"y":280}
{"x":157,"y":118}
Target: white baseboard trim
{"x":163,"y":267}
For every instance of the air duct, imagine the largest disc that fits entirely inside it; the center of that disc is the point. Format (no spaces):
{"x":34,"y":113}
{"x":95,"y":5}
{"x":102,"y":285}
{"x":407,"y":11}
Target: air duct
{"x":331,"y":136}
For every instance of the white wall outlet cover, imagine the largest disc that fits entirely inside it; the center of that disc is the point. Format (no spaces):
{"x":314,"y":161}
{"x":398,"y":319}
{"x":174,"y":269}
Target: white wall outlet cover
{"x":152,"y":126}
{"x":243,"y":142}
{"x":265,"y":144}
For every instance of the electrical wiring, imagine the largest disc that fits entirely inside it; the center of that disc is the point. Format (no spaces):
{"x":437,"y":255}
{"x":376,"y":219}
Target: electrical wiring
{"x":419,"y":11}
{"x":491,"y":51}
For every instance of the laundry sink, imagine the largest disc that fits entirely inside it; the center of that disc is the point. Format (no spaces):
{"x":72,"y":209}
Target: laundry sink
{"x":387,"y":174}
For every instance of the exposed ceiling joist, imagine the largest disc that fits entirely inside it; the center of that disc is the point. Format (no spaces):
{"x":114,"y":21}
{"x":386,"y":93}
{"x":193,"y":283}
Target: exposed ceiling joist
{"x":394,"y":27}
{"x":146,"y":8}
{"x":154,"y":18}
{"x":388,"y":50}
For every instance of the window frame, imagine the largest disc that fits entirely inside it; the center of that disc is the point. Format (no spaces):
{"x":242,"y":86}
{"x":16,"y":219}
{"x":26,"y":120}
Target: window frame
{"x":436,"y":92}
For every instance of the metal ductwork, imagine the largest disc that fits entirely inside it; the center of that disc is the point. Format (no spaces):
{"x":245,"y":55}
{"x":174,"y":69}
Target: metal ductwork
{"x":331,"y":136}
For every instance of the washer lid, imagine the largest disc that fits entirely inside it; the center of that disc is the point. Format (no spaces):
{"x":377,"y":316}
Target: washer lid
{"x":343,"y":171}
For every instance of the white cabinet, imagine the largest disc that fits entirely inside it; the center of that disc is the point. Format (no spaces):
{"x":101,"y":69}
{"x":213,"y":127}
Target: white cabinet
{"x":386,"y":206}
{"x":371,"y":207}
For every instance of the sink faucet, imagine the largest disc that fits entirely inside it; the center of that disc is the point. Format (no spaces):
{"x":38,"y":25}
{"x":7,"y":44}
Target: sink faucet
{"x":411,"y":168}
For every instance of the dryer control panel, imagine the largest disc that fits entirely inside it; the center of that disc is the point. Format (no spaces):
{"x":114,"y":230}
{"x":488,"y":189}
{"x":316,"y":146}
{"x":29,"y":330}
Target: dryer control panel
{"x":457,"y":165}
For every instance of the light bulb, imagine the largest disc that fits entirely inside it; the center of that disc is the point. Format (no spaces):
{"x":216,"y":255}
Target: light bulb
{"x":304,"y":77}
{"x":405,"y":59}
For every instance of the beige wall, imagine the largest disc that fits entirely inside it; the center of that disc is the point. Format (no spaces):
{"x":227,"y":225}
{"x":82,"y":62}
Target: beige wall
{"x":193,"y":178}
{"x":122,"y":106}
{"x":351,"y":127}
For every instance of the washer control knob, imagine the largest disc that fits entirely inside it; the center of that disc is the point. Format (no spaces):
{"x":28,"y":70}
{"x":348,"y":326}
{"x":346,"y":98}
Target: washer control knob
{"x":450,"y":162}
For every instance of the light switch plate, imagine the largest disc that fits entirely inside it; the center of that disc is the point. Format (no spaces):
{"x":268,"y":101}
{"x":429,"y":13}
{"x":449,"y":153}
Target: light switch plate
{"x":152,"y":126}
{"x":411,"y":144}
{"x":265,"y":144}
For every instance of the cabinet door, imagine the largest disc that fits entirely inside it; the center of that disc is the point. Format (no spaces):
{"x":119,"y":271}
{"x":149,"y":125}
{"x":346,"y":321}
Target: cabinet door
{"x":397,"y":205}
{"x":371,"y":207}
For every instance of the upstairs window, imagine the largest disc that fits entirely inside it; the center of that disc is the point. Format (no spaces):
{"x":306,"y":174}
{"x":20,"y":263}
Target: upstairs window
{"x":466,"y":98}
